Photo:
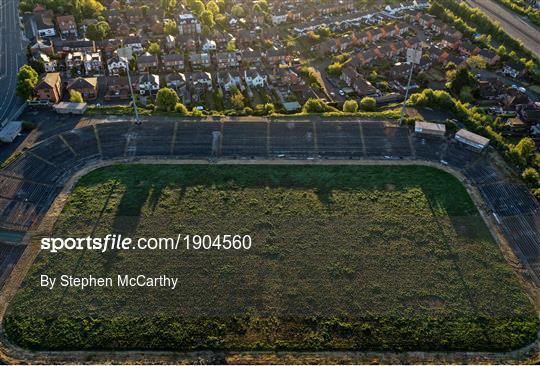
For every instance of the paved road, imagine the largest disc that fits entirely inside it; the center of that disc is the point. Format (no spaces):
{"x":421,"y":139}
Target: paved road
{"x":513,"y":24}
{"x":11,"y":58}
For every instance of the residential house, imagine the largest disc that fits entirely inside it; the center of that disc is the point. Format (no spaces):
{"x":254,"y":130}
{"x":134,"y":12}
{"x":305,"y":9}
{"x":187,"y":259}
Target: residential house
{"x":250,"y":57}
{"x":67,"y":26}
{"x":93,"y":63}
{"x":88,"y":87}
{"x":116,"y":65}
{"x":147,"y":62}
{"x":285,"y":77}
{"x":43,"y":23}
{"x":135,"y":43}
{"x":209,"y":45}
{"x":175,"y":81}
{"x":363,"y":87}
{"x":450,"y":42}
{"x":148,"y":84}
{"x":117,"y":88}
{"x":42,"y":46}
{"x":75,"y":60}
{"x":134,"y":15}
{"x":170,"y":42}
{"x":229,"y":80}
{"x":108,"y":46}
{"x":254,"y":78}
{"x":50,"y":64}
{"x":278,"y":55}
{"x":188,"y":24}
{"x":468,"y":49}
{"x":65,"y":47}
{"x":514,"y":69}
{"x":49,"y":88}
{"x":348,"y":75}
{"x":489,"y":56}
{"x":201,"y":80}
{"x":199,"y":60}
{"x":227,"y":59}
{"x":246,"y":38}
{"x":174,"y":61}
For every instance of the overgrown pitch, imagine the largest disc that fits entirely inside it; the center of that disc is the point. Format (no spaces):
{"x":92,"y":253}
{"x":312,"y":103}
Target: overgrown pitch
{"x":343,"y":257}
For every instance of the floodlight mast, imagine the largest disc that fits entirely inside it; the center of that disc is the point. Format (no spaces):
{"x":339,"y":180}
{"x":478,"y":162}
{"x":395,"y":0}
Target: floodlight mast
{"x":413,"y":57}
{"x":126,"y":54}
{"x":132,"y":95}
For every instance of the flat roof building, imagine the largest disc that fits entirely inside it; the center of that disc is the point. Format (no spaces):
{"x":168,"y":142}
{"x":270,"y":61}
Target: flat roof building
{"x":429,"y":128}
{"x":472,"y":139}
{"x":70,"y":108}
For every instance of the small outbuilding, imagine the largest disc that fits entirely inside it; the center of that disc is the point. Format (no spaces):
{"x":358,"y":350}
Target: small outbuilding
{"x":428,"y":128}
{"x":471,"y":139}
{"x":70,"y":108}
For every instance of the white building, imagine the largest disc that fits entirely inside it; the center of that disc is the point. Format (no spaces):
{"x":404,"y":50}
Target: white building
{"x":254,"y":78}
{"x":148,"y":84}
{"x":471,"y":139}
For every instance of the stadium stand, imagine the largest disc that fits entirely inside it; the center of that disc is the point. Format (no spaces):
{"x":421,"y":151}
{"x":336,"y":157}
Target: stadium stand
{"x":29,"y":184}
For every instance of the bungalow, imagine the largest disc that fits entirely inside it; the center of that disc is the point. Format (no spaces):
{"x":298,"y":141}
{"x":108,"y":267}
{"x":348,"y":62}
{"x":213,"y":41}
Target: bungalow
{"x":174,"y":61}
{"x":42,"y":46}
{"x":363,"y":87}
{"x":255,"y":79}
{"x":148,"y":84}
{"x":147,"y":62}
{"x":49,"y":88}
{"x":88,"y":87}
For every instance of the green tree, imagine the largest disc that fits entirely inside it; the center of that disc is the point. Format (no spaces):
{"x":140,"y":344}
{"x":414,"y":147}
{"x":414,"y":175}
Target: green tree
{"x":237,"y":10}
{"x":27,"y":79}
{"x":524,"y":152}
{"x":477,"y":62}
{"x":75,"y":96}
{"x":98,"y":31}
{"x":461,"y":78}
{"x":90,"y":9}
{"x":213,"y":7}
{"x":154,"y":48}
{"x":169,"y":27}
{"x":368,"y":104}
{"x":181,"y":109}
{"x":335,"y":68}
{"x":350,"y":106}
{"x":531,"y":176}
{"x":198,"y":7}
{"x":207,"y":19}
{"x":238,"y":100}
{"x":316,"y":106}
{"x":37,"y":65}
{"x":166,"y":100}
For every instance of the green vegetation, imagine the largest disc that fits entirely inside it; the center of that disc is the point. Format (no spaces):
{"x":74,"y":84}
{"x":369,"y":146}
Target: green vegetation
{"x":523,"y":154}
{"x":522,"y":8}
{"x":167,"y":99}
{"x":368,"y":104}
{"x":27,"y":79}
{"x":75,"y":96}
{"x":343,"y":257}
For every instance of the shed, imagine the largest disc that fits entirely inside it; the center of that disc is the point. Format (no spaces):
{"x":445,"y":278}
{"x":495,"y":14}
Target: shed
{"x":472,"y":139}
{"x":429,"y":128}
{"x":70,"y":108}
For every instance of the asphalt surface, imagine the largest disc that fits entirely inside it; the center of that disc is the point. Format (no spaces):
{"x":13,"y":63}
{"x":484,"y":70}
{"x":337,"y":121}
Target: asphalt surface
{"x":11,"y":58}
{"x":512,"y":23}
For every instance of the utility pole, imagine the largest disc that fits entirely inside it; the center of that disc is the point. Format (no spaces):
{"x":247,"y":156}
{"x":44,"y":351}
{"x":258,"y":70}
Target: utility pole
{"x":413,"y":57}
